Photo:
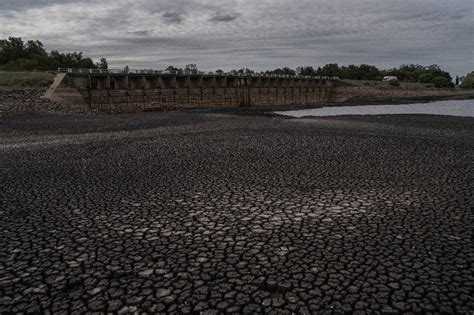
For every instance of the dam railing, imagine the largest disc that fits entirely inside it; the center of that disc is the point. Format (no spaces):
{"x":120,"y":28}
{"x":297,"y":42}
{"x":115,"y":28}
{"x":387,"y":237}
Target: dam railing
{"x":191,"y":73}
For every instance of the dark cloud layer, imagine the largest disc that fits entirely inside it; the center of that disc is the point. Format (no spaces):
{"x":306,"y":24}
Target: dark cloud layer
{"x":247,"y":33}
{"x":224,"y":16}
{"x":172,"y":17}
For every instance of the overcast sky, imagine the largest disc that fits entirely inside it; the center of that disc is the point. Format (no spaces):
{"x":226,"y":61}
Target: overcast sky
{"x":258,"y":34}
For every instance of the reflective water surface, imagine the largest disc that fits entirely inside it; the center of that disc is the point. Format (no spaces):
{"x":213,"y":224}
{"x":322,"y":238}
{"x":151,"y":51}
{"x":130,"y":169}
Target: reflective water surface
{"x":463,"y":108}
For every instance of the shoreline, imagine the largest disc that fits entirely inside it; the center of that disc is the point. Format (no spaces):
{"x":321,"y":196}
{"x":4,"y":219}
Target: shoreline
{"x":400,"y":101}
{"x":31,"y":101}
{"x":268,"y":110}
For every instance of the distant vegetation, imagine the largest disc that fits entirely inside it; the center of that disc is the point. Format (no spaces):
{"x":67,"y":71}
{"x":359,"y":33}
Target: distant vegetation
{"x":468,"y":81}
{"x":405,"y":73}
{"x":430,"y":75}
{"x":18,"y":55}
{"x":422,"y":74}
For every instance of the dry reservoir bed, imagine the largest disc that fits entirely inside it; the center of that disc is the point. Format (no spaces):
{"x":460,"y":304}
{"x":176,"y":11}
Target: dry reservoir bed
{"x":205,"y":212}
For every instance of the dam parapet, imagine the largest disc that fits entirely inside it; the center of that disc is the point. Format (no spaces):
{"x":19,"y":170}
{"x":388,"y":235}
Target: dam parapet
{"x":116,"y":91}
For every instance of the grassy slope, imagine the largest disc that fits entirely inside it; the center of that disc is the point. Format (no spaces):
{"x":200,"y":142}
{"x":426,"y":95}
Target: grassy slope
{"x":381,"y":84}
{"x":26,"y":80}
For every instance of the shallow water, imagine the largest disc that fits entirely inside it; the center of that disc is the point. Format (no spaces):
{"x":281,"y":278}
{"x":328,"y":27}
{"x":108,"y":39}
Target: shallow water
{"x":464,"y":108}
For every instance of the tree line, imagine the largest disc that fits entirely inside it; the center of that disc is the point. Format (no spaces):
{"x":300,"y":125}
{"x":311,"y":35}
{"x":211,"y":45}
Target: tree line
{"x":467,"y":81}
{"x":15,"y":54}
{"x":432,"y":74}
{"x":406,"y":73}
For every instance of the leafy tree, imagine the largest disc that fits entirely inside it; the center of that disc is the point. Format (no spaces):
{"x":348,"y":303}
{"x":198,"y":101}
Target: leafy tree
{"x":34,"y":50}
{"x":350,"y":72}
{"x":368,"y":72}
{"x":191,"y":68}
{"x":69,"y":60}
{"x":11,"y":49}
{"x":242,"y":71}
{"x":362,"y":72}
{"x":468,"y":81}
{"x":17,"y":55}
{"x":103,"y":64}
{"x":249,"y":71}
{"x":288,"y":71}
{"x":307,"y":71}
{"x":425,"y":78}
{"x":330,"y":70}
{"x":172,"y":69}
{"x":442,"y":82}
{"x":418,"y":73}
{"x":282,"y":71}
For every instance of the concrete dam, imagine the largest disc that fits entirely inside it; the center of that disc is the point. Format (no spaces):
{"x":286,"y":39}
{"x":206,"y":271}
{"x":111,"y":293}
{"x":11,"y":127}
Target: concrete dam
{"x":119,"y":92}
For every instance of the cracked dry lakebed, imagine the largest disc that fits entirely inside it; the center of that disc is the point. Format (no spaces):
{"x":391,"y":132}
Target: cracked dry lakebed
{"x":208,"y":212}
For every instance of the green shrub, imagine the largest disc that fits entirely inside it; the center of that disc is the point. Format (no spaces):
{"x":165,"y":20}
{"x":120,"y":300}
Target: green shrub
{"x":425,"y":78}
{"x":442,"y":82}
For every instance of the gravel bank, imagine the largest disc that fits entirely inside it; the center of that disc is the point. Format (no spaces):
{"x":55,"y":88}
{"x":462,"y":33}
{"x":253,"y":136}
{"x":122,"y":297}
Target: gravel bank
{"x":186,"y":212}
{"x":12,"y":100}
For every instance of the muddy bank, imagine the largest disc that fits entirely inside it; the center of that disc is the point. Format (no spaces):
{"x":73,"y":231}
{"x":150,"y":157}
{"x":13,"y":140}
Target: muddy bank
{"x":363,"y":95}
{"x":401,"y":100}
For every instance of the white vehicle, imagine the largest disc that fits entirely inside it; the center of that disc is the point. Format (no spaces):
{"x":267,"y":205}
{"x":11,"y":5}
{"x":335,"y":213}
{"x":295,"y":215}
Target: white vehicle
{"x":390,"y":78}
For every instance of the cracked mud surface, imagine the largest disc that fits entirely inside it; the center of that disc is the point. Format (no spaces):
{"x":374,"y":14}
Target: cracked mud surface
{"x":219,"y":213}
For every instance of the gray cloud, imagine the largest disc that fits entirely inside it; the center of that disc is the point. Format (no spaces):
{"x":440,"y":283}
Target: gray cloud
{"x":24,"y":4}
{"x":141,"y":33}
{"x":260,"y":34}
{"x":172,"y":17}
{"x":225,"y":16}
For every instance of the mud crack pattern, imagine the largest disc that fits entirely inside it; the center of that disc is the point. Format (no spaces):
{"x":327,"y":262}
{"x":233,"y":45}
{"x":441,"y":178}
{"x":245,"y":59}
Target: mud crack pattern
{"x":221,"y":213}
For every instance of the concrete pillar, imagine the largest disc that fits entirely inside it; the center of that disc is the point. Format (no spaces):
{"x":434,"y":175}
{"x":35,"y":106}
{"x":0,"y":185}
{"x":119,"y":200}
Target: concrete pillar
{"x":255,"y":82}
{"x":152,"y":82}
{"x":79,"y":82}
{"x":221,"y":82}
{"x":100,"y":82}
{"x":168,"y":82}
{"x":183,"y":82}
{"x":208,"y":82}
{"x":136,"y":82}
{"x":195,"y":82}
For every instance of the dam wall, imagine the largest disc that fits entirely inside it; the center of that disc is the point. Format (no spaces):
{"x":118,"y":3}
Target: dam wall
{"x":134,"y":92}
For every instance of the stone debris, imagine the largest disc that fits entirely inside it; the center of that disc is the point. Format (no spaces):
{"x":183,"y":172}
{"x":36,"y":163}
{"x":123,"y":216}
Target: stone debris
{"x":27,"y":101}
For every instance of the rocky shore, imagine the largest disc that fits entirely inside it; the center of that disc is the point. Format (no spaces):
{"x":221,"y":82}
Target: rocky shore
{"x":27,"y":101}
